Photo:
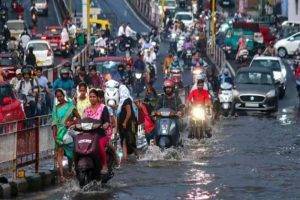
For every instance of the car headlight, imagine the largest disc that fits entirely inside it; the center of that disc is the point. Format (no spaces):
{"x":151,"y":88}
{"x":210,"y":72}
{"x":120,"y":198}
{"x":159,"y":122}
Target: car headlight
{"x":198,"y":113}
{"x":271,"y":93}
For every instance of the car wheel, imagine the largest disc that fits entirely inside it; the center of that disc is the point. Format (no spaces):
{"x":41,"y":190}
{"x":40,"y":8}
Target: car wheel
{"x":282,"y":52}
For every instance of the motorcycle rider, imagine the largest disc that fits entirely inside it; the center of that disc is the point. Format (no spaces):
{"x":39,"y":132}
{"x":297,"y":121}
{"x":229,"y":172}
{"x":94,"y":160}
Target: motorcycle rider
{"x":16,"y":79}
{"x":101,"y":42}
{"x":297,"y":77}
{"x":242,"y":44}
{"x":200,"y":96}
{"x":65,"y":82}
{"x":64,"y":36}
{"x":26,"y":88}
{"x":43,"y":84}
{"x":6,"y":33}
{"x":30,"y":58}
{"x":139,"y":64}
{"x":33,"y":11}
{"x":167,"y":63}
{"x":82,"y":77}
{"x":25,"y":38}
{"x":175,"y":64}
{"x":225,"y":77}
{"x":270,"y":50}
{"x":169,"y":99}
{"x":97,"y":79}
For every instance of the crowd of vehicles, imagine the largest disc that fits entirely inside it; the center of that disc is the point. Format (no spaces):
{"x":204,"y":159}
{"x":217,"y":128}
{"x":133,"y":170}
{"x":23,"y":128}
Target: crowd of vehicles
{"x":257,"y":87}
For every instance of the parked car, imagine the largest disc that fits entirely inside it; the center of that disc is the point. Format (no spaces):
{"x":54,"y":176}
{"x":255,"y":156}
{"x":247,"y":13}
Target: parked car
{"x":288,"y":46}
{"x":276,"y":65}
{"x":42,"y":6}
{"x":42,"y":51}
{"x":16,"y":27}
{"x":255,"y":89}
{"x":186,"y":18}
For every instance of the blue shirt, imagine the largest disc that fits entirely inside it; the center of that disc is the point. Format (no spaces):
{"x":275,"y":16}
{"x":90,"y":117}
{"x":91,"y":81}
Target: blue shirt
{"x":66,"y":85}
{"x":42,"y":81}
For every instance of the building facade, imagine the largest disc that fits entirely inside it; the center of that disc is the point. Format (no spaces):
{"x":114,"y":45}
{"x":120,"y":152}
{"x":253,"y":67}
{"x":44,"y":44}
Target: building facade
{"x":294,"y":10}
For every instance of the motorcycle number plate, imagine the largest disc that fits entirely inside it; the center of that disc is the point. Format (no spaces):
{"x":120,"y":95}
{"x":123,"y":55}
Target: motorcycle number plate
{"x":251,"y":105}
{"x":127,"y":45}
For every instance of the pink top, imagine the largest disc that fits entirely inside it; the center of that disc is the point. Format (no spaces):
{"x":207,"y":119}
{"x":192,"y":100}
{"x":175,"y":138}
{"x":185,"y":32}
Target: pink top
{"x":96,"y":114}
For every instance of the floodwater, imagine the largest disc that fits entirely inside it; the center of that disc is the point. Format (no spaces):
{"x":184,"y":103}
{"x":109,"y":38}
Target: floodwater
{"x":249,"y":157}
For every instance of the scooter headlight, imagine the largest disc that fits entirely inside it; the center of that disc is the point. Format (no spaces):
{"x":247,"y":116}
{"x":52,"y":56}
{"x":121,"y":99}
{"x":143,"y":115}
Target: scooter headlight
{"x":111,"y":103}
{"x":138,"y":75}
{"x":198,"y":113}
{"x":86,"y":126}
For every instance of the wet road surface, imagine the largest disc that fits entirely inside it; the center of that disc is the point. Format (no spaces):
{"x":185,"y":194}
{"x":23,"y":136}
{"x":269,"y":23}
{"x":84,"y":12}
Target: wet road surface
{"x":248,"y":157}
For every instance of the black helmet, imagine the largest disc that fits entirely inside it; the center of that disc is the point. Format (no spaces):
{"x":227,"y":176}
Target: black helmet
{"x":26,"y":70}
{"x":64,"y":70}
{"x":92,"y":66}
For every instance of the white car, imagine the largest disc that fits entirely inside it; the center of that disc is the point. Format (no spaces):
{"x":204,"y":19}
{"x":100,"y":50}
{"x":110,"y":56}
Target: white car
{"x":278,"y":68}
{"x":288,"y":46}
{"x":187,"y":18}
{"x":16,"y":27}
{"x":42,"y":51}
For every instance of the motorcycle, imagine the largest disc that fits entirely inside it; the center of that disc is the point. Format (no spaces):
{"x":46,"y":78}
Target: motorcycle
{"x":176,"y":77}
{"x":3,"y":16}
{"x":151,"y":71}
{"x":167,"y":128}
{"x":226,"y":98}
{"x":111,"y":93}
{"x":199,"y":122}
{"x":188,"y":58}
{"x":139,"y":83}
{"x":112,"y":48}
{"x":65,"y":49}
{"x":34,"y":19}
{"x":86,"y":158}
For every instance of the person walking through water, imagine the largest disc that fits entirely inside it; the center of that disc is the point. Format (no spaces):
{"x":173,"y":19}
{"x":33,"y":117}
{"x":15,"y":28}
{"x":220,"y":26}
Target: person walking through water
{"x":127,"y":122}
{"x":63,"y":116}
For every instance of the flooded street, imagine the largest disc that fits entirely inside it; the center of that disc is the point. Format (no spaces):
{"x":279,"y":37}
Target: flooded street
{"x":249,"y":157}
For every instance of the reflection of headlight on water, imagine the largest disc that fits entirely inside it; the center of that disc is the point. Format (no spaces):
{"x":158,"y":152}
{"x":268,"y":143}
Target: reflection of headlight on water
{"x":198,"y":113}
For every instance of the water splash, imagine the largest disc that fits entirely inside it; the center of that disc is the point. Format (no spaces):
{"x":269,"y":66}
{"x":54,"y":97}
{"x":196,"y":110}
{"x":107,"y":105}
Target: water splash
{"x":154,"y":153}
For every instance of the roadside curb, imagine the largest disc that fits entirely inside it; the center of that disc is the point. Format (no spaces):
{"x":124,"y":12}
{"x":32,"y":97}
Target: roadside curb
{"x":32,"y":183}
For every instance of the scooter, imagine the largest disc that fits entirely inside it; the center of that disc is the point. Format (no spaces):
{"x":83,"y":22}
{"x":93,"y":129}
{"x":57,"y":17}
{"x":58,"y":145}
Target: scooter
{"x":200,"y":122}
{"x":111,"y":93}
{"x":152,"y":72}
{"x":86,"y":158}
{"x":167,"y":128}
{"x":34,"y":19}
{"x":226,"y":98}
{"x":176,"y":77}
{"x":139,"y":83}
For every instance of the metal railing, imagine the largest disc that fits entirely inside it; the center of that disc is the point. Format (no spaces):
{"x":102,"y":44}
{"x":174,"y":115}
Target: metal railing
{"x":24,"y":143}
{"x":216,"y":55}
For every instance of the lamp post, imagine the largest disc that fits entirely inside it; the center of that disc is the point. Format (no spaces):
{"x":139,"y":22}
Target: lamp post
{"x":213,"y":22}
{"x":88,"y":8}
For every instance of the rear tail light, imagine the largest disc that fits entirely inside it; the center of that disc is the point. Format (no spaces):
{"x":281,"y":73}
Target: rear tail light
{"x":43,"y":37}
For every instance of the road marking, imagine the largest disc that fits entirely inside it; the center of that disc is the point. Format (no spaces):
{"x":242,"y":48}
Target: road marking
{"x":136,"y":15}
{"x":56,"y":12}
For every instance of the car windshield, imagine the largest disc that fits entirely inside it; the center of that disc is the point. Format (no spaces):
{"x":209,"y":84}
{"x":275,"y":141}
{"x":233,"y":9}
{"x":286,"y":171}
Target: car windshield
{"x":15,"y":25}
{"x":183,"y":17}
{"x":40,"y":1}
{"x":257,"y":78}
{"x":274,"y":65}
{"x":38,"y":46}
{"x":5,"y":91}
{"x":170,"y":3}
{"x":107,"y":66}
{"x":5,"y":61}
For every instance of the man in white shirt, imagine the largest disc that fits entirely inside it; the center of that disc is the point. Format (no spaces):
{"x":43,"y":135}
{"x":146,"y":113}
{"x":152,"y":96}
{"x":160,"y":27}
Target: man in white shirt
{"x":121,"y":31}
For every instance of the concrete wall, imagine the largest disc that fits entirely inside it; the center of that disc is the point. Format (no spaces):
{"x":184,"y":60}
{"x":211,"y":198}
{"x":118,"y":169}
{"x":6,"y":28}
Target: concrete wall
{"x":294,"y":10}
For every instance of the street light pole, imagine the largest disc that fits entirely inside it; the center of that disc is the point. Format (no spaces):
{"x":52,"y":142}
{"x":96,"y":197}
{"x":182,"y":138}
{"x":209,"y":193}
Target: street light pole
{"x":163,"y":11}
{"x":213,"y":22}
{"x":88,"y":6}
